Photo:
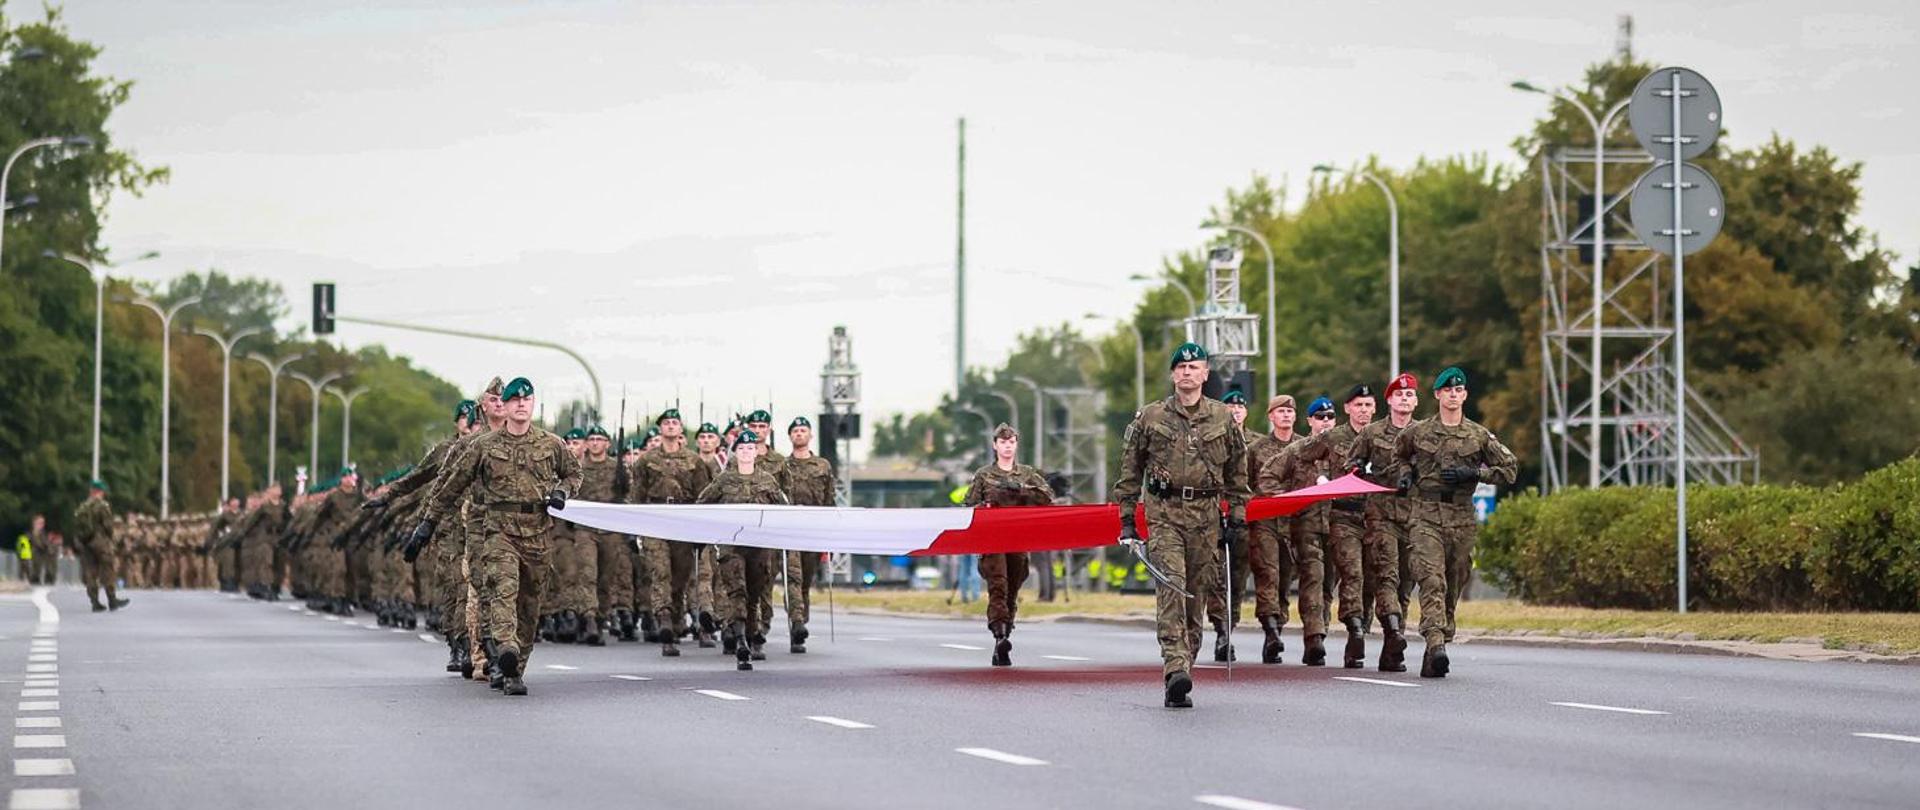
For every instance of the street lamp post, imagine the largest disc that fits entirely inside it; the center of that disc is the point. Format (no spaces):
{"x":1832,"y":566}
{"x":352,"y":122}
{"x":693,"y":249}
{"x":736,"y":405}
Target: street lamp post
{"x":7,"y":171}
{"x":1013,"y":408}
{"x":1600,"y":126}
{"x":313,"y":388}
{"x":226,"y":344}
{"x":1193,"y":306}
{"x":1273,"y":365}
{"x":1039,"y":424}
{"x":99,"y":313}
{"x":166,"y":389}
{"x":1140,"y":361}
{"x":985,"y":420}
{"x":274,"y":367}
{"x":346,"y":421}
{"x":1393,"y":265}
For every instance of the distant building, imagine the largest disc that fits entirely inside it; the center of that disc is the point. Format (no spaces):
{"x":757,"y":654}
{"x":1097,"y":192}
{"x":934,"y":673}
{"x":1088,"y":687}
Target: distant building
{"x":896,"y":481}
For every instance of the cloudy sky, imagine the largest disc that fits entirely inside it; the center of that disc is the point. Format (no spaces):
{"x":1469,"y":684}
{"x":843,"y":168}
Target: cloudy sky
{"x":692,"y":194}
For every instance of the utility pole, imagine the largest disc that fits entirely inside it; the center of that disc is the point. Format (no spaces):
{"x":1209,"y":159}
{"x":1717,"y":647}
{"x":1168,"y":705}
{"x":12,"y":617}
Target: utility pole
{"x":960,"y":276}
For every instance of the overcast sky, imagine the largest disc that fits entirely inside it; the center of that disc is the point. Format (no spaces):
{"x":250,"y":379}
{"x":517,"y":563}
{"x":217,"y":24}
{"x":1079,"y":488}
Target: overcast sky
{"x":693,"y":194}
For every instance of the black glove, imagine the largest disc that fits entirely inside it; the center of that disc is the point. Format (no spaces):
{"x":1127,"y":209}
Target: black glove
{"x":1405,"y":486}
{"x":1234,"y":533}
{"x":1355,"y":466}
{"x":374,"y":503}
{"x":557,"y":499}
{"x":1128,"y":534}
{"x":1459,"y":476}
{"x":422,"y":532}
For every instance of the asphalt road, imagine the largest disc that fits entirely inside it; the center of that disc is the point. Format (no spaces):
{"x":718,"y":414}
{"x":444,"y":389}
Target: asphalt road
{"x":202,"y":700}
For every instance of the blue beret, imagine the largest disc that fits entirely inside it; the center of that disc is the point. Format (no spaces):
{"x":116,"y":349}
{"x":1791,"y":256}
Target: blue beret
{"x":1319,"y":404}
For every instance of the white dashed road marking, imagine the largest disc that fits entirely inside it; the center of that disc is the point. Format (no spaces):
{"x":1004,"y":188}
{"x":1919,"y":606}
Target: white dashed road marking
{"x":43,"y":767}
{"x":561,"y":667}
{"x":49,"y":615}
{"x":429,"y":639}
{"x":1000,"y":756}
{"x":1894,"y":737}
{"x":1599,"y":708}
{"x":837,"y":721}
{"x":874,"y":638}
{"x":39,"y":740}
{"x":717,"y":694}
{"x":39,"y":705}
{"x":399,"y":629}
{"x":1373,"y":681}
{"x":27,"y":693}
{"x":967,"y":647}
{"x":43,"y":657}
{"x":36,"y":722}
{"x":1067,"y":657}
{"x":43,"y":668}
{"x":43,"y":799}
{"x":1237,"y":803}
{"x":41,"y":683}
{"x":632,"y":677}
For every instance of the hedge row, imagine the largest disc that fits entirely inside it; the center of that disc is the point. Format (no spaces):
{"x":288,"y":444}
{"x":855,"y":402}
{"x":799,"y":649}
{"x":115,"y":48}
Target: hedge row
{"x":1853,"y":546}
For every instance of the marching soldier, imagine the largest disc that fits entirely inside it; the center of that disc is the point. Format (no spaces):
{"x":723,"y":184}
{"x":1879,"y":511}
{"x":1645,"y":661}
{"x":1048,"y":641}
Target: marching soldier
{"x":99,"y":554}
{"x":582,"y":594}
{"x":457,"y":548}
{"x":808,"y":481}
{"x":1271,"y":555}
{"x":515,"y":474}
{"x":1386,"y":517}
{"x":1346,"y":529}
{"x":1184,"y":455}
{"x":1005,"y":482}
{"x":745,"y":573}
{"x":670,"y":474}
{"x":1299,"y":465}
{"x":1219,"y":615}
{"x":1443,"y":457}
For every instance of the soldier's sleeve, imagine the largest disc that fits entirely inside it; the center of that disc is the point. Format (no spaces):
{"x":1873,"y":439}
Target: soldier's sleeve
{"x":1133,"y":462}
{"x":710,"y":493}
{"x":422,"y":474}
{"x":1273,"y":476}
{"x":1237,"y":485}
{"x":639,"y":481}
{"x":703,"y":477}
{"x":1043,"y":493}
{"x":1497,"y":464}
{"x":976,"y":489}
{"x":1358,"y":451}
{"x":1403,"y":450}
{"x":569,"y":469}
{"x":452,"y":482}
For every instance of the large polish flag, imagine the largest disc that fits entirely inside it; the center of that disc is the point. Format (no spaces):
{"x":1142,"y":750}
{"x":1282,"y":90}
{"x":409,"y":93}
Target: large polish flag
{"x":917,"y":532}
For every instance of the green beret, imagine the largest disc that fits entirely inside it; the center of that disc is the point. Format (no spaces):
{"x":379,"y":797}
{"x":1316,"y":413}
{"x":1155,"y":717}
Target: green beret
{"x":1188,"y":352}
{"x":707,"y":427}
{"x":346,"y":471}
{"x":759,"y":416}
{"x":670,"y":413}
{"x":746,"y":437}
{"x":1449,"y":378}
{"x":1234,"y":397}
{"x":467,"y":409}
{"x":732,"y":425}
{"x":651,"y":432}
{"x":798,"y":421}
{"x":518,"y":387}
{"x":97,"y":484}
{"x":597,"y":430}
{"x":575,"y":434}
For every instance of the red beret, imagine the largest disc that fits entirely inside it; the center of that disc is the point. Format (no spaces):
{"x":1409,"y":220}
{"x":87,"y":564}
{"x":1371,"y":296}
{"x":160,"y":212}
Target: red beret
{"x":1403,"y":381}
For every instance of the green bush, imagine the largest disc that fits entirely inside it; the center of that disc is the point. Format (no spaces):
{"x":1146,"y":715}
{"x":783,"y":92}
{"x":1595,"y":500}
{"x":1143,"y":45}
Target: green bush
{"x":1849,"y":547}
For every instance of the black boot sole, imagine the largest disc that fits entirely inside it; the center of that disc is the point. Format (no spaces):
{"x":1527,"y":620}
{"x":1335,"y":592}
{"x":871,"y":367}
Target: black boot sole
{"x":1177,"y":688}
{"x":1435,"y":665}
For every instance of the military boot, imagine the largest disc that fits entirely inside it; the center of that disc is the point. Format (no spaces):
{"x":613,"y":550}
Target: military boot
{"x":1002,"y":645}
{"x":736,"y":634}
{"x":1316,"y":654}
{"x":649,"y":628}
{"x":495,"y":676}
{"x":756,"y":646}
{"x":510,"y":683}
{"x":99,"y":608}
{"x":1178,"y":685}
{"x":382,"y":615}
{"x":1271,"y":648}
{"x":1393,"y":655}
{"x":546,"y":627}
{"x":590,"y":631}
{"x":343,"y":607}
{"x":1222,"y":643}
{"x":455,"y":646}
{"x":1355,"y":656}
{"x":797,"y":638}
{"x":728,"y":641}
{"x":1435,"y":663}
{"x":669,"y":641}
{"x":566,"y":627}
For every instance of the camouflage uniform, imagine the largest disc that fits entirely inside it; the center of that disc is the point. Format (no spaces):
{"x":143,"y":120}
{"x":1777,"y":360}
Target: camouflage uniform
{"x":1271,"y":552}
{"x":456,"y":546}
{"x":1217,"y":613}
{"x":1299,"y":465}
{"x":257,"y":534}
{"x":775,"y":464}
{"x":1005,"y":573}
{"x":1184,"y":460}
{"x":331,"y":521}
{"x":669,"y":476}
{"x":745,"y":574}
{"x":1443,"y":525}
{"x":509,"y":477}
{"x":807,"y":482}
{"x":99,"y":554}
{"x":1346,"y":530}
{"x":582,"y":594}
{"x":1386,"y":516}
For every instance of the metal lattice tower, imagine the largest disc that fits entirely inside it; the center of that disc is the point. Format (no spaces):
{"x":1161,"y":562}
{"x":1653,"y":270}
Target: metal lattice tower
{"x":1073,"y":426}
{"x":1637,"y":405}
{"x":840,"y":395}
{"x":1223,"y":325}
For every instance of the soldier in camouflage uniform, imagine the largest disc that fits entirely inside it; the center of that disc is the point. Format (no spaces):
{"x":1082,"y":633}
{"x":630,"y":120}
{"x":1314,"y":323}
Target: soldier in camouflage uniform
{"x":1005,"y":482}
{"x":516,"y":474}
{"x":582,"y":594}
{"x":226,"y":560}
{"x":769,"y":459}
{"x":1387,"y":516}
{"x":743,"y":570}
{"x":93,"y":540}
{"x":807,"y":480}
{"x":670,"y":474}
{"x":1302,"y":464}
{"x":1224,"y":621}
{"x":560,"y":621}
{"x":1443,"y":458}
{"x":707,"y":445}
{"x":614,"y":562}
{"x":451,"y":586}
{"x":258,"y":532}
{"x":334,"y":517}
{"x":1271,"y":552}
{"x":1184,"y":455}
{"x":457,"y":546}
{"x":1346,"y":529}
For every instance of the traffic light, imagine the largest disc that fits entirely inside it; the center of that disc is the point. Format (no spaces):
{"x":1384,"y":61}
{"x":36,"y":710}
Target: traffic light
{"x":322,"y":308}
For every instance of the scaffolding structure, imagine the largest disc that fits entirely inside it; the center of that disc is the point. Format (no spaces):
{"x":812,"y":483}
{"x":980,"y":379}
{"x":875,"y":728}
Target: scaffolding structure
{"x":1636,"y":410}
{"x":1073,"y":425}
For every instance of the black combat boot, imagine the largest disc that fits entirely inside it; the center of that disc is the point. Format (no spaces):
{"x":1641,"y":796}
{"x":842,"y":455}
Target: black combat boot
{"x":382,"y":615}
{"x":495,"y":675}
{"x":116,"y":603}
{"x":546,"y":627}
{"x":1316,"y":654}
{"x":669,"y":640}
{"x":1271,"y":648}
{"x":736,"y":636}
{"x":566,"y":627}
{"x":728,"y":641}
{"x":1002,"y":645}
{"x":1178,"y":685}
{"x":1393,"y":655}
{"x":454,"y":647}
{"x":707,"y":622}
{"x":797,"y":638}
{"x":510,"y":683}
{"x":1355,"y":656}
{"x":1435,"y":663}
{"x":649,"y":628}
{"x":756,"y":646}
{"x":465,"y":655}
{"x":1222,"y":643}
{"x":99,"y":608}
{"x":343,"y":607}
{"x":590,"y":631}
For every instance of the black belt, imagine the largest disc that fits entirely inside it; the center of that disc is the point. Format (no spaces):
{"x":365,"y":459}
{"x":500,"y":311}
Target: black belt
{"x":1183,"y":493}
{"x":1452,"y":498}
{"x":1349,"y":505}
{"x":522,"y":508}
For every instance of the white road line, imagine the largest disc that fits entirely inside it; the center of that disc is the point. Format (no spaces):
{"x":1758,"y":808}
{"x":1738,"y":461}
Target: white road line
{"x":43,"y":668}
{"x":1237,"y":803}
{"x":1894,"y":737}
{"x":1599,"y":708}
{"x":1372,"y":681}
{"x":631,"y":677}
{"x":43,"y":657}
{"x":837,"y":721}
{"x":561,"y":667}
{"x":49,"y":615}
{"x":44,"y":799}
{"x":36,"y":722}
{"x":967,"y":647}
{"x":399,"y":629}
{"x":39,"y":740}
{"x":429,"y":639}
{"x":715,"y":693}
{"x":39,"y":705}
{"x":295,"y":608}
{"x":331,"y":618}
{"x":26,"y":693}
{"x":1067,"y":657}
{"x":1000,"y":756}
{"x":43,"y":767}
{"x":41,"y":683}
